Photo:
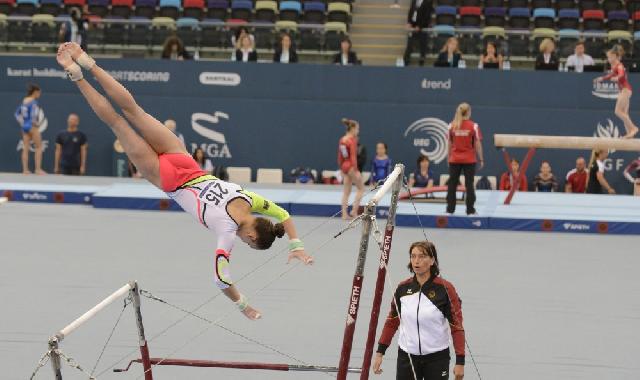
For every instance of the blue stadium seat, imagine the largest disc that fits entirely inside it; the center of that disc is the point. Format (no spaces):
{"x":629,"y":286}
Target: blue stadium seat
{"x":568,"y":19}
{"x":26,"y":7}
{"x":217,"y":9}
{"x":618,"y":20}
{"x":98,"y":8}
{"x":241,"y":9}
{"x":495,"y":16}
{"x":519,"y":18}
{"x":170,"y":8}
{"x":212,"y":33}
{"x":567,"y":39}
{"x":314,"y":12}
{"x":145,"y":8}
{"x":446,"y":15}
{"x":187,"y":28}
{"x":50,"y":7}
{"x":290,"y":10}
{"x":544,"y":18}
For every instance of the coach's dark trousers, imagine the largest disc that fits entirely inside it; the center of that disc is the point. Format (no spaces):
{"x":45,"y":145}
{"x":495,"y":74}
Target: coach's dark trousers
{"x":427,"y":367}
{"x":469,"y":171}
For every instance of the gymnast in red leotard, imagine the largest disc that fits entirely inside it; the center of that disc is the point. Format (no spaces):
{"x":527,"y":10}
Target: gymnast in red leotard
{"x":347,"y":161}
{"x":619,"y":74}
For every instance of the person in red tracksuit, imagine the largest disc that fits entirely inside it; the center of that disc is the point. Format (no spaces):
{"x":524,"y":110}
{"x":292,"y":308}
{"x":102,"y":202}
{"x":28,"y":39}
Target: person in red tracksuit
{"x":618,"y":74}
{"x":348,"y":163}
{"x":465,"y":142}
{"x":425,"y":308}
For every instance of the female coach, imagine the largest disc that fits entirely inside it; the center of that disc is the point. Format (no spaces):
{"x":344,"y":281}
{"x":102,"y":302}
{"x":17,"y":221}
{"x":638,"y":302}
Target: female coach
{"x":424,"y":307}
{"x":465,"y":141}
{"x":162,"y":159}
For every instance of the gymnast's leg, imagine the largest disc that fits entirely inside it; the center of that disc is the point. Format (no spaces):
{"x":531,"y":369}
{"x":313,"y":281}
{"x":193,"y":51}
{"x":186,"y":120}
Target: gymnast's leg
{"x":138,"y":151}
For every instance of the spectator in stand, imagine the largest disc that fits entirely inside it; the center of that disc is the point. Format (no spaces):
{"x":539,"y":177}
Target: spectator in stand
{"x":507,"y":179}
{"x":28,"y":115}
{"x":174,"y":49}
{"x":449,"y":54}
{"x":71,"y":149}
{"x":633,"y":169}
{"x":545,"y":181}
{"x":246,"y":50}
{"x":285,"y":52}
{"x":381,"y":164}
{"x":547,"y":58}
{"x":74,"y":30}
{"x":204,"y":162}
{"x":597,"y":183}
{"x":242,"y":31}
{"x":578,"y":60}
{"x":490,"y":58}
{"x":346,"y":57}
{"x":577,"y":178}
{"x":422,"y":176}
{"x":417,"y":20}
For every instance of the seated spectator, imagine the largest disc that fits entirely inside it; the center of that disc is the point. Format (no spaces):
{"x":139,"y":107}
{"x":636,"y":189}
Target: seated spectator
{"x":577,"y":178}
{"x":597,"y":183}
{"x":449,"y":54}
{"x":380,"y":165}
{"x":346,"y":57}
{"x":422,"y":176}
{"x":545,"y":181}
{"x":507,"y":178}
{"x":246,"y":52}
{"x":490,"y":58}
{"x":285,"y":52}
{"x":242,"y":31}
{"x":578,"y":60}
{"x":174,"y":49}
{"x":204,"y":163}
{"x":547,"y":58}
{"x":633,"y":169}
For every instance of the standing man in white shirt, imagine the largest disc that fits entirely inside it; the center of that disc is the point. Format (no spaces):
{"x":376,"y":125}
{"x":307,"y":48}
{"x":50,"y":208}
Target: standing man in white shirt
{"x":579,"y":59}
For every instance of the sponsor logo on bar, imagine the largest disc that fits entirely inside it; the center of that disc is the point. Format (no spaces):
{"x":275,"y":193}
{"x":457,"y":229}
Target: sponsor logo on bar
{"x":576,"y":227}
{"x":35,"y":196}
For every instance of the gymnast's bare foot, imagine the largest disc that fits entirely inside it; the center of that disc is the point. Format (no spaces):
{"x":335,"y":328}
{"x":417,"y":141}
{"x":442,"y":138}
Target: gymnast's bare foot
{"x":632,"y":133}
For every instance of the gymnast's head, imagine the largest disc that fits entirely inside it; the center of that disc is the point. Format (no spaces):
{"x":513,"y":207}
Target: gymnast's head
{"x":261,"y":233}
{"x":615,"y":54}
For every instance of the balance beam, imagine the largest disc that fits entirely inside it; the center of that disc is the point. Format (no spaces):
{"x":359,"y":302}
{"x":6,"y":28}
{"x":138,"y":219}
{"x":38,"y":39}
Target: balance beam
{"x":565,"y":142}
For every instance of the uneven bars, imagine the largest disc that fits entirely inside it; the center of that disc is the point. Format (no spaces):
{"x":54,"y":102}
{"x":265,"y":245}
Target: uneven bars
{"x":91,"y":313}
{"x":565,"y":142}
{"x":237,"y":365}
{"x":391,"y":179}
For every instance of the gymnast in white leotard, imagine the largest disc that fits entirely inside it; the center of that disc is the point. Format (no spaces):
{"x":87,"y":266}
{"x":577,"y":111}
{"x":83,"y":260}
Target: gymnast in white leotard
{"x":160,"y":156}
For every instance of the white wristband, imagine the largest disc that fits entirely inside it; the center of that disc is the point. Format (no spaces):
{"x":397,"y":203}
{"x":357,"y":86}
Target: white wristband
{"x":242,"y":303}
{"x":86,"y":61}
{"x":74,"y":72}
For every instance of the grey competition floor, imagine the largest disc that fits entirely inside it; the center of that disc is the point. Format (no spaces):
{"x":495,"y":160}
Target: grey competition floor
{"x":536,"y":306}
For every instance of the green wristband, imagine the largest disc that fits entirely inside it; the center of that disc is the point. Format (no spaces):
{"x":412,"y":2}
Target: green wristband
{"x":242,"y":303}
{"x":296,"y":245}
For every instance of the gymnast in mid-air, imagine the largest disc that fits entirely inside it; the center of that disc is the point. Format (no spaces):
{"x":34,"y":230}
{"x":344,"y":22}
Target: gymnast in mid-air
{"x":223,"y":207}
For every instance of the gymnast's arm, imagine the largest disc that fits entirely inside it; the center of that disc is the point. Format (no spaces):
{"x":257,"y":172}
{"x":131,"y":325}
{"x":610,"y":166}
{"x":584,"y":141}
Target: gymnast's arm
{"x":269,"y":208}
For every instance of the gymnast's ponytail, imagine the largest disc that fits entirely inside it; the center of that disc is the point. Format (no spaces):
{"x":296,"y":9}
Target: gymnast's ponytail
{"x":267,"y":232}
{"x":462,"y":113}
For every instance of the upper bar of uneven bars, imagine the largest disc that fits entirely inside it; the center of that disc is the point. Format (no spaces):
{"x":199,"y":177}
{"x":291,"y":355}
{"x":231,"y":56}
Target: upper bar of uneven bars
{"x":387,"y":185}
{"x":93,"y":311}
{"x":565,"y":142}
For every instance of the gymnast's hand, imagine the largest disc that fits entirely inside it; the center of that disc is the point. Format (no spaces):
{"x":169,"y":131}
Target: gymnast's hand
{"x":458,"y":372}
{"x":63,"y":58}
{"x":300,"y":255}
{"x":251,"y":313}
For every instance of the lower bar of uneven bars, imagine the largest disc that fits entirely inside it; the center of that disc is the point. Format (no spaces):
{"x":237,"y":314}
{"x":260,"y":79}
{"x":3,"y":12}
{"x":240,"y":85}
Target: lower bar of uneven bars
{"x":91,"y":313}
{"x":243,"y":365}
{"x":391,"y":179}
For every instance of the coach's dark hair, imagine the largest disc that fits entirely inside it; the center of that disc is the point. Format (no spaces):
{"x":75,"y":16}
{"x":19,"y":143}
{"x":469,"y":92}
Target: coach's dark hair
{"x":421,"y":158}
{"x":31,"y":88}
{"x":429,"y":249}
{"x":267,"y":232}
